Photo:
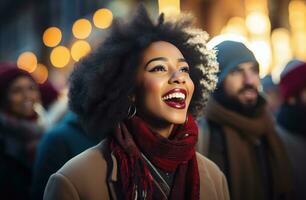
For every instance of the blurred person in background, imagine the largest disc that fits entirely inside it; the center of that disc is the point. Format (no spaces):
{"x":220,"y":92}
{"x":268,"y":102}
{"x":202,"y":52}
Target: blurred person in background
{"x":291,"y":120}
{"x":58,"y":145}
{"x":19,"y":130}
{"x":143,"y":86}
{"x":54,"y":104}
{"x":238,"y":131}
{"x":271,"y":94}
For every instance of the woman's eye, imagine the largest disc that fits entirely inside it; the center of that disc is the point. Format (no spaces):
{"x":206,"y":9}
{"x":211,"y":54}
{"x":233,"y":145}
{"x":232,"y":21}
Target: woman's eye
{"x":185,"y":69}
{"x":158,"y":68}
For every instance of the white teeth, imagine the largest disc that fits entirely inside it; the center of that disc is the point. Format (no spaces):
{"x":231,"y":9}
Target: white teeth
{"x":178,"y":95}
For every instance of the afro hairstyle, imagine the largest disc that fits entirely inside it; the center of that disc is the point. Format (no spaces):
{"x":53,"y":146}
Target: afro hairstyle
{"x":101,"y":83}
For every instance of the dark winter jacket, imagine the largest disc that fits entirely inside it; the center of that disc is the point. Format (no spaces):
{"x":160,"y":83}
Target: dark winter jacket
{"x":291,"y":127}
{"x":18,"y":141}
{"x":58,"y":145}
{"x":248,"y":151}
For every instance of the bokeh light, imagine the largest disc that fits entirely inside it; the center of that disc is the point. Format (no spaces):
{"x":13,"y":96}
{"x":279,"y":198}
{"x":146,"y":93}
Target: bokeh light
{"x":41,"y":73}
{"x":79,"y":49}
{"x":52,"y":36}
{"x":228,"y":36}
{"x":81,"y":29}
{"x":169,"y":7}
{"x":262,"y":52}
{"x":235,"y":25}
{"x":60,"y":56}
{"x":297,"y":14}
{"x":282,"y":51}
{"x":258,"y":23}
{"x":27,"y":61}
{"x":103,"y":18}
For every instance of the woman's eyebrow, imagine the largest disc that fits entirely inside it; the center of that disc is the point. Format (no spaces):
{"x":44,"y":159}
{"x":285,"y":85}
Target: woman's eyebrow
{"x":181,"y":60}
{"x":163,"y":59}
{"x":155,"y":59}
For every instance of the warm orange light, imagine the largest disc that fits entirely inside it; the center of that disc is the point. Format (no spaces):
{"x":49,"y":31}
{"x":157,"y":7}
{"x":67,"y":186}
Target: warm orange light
{"x":262,"y":52}
{"x":81,"y":28}
{"x":280,"y":39}
{"x":299,"y":38}
{"x":169,"y":7}
{"x":52,"y":36}
{"x":27,"y":61}
{"x":79,"y":49}
{"x":297,"y":14}
{"x":103,"y":18}
{"x":282,"y":51}
{"x":258,"y":23}
{"x":60,"y":56}
{"x":41,"y":73}
{"x":235,"y":25}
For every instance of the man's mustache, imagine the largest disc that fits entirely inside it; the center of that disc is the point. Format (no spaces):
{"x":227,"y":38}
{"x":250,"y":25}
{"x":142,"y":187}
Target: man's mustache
{"x":248,"y":88}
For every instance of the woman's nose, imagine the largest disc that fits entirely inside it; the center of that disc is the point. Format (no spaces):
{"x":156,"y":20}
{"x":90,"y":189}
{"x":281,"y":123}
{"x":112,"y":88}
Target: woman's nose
{"x":177,"y":77}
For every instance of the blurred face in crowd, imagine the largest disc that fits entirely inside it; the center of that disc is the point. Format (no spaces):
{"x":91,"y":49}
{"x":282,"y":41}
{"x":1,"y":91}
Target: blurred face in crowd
{"x":273,"y":100}
{"x":242,"y":84}
{"x":22,"y":94}
{"x":299,"y":99}
{"x":164,"y":87}
{"x":303,"y":96}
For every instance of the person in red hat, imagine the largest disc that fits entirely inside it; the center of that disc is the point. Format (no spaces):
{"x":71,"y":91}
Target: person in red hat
{"x":19,"y":130}
{"x":291,"y":121}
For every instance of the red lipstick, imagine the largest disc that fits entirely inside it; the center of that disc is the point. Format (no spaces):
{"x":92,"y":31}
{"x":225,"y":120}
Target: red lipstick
{"x":175,"y":98}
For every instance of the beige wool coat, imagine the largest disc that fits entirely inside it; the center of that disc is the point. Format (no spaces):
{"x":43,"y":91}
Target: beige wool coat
{"x":89,"y":176}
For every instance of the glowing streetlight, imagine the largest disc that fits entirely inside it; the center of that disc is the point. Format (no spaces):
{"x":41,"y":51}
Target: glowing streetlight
{"x":103,"y":18}
{"x":169,"y":7}
{"x":27,"y":61}
{"x":81,"y":28}
{"x":79,"y":49}
{"x":52,"y":36}
{"x":60,"y":56}
{"x":41,"y":73}
{"x":262,"y":52}
{"x":258,"y":23}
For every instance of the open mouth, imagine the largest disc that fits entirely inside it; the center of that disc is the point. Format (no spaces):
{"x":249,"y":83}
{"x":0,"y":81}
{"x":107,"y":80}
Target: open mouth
{"x":175,"y":98}
{"x":249,"y":93}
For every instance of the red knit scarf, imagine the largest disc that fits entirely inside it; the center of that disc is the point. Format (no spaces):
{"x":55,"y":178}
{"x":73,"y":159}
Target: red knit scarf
{"x":173,"y":155}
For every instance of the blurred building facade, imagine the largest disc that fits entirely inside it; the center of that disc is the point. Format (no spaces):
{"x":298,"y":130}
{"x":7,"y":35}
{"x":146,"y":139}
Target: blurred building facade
{"x":275,"y":29}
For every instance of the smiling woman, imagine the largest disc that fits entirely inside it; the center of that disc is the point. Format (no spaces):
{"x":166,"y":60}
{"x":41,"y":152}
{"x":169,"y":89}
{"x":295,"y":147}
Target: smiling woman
{"x":141,"y":89}
{"x":20,"y":131}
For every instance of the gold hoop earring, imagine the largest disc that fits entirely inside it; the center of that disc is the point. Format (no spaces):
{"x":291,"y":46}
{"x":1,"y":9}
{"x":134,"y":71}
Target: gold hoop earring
{"x":131,"y":111}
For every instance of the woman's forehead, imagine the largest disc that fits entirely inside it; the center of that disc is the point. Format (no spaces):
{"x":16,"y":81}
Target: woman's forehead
{"x":161,"y":49}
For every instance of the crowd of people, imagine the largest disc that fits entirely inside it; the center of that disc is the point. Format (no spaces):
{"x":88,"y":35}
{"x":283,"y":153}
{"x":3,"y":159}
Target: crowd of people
{"x":156,"y":114}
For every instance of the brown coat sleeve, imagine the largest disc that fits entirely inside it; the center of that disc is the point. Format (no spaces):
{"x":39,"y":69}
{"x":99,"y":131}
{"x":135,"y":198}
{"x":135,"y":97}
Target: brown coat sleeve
{"x":213,"y":184}
{"x":59,"y":187}
{"x":82,"y":177}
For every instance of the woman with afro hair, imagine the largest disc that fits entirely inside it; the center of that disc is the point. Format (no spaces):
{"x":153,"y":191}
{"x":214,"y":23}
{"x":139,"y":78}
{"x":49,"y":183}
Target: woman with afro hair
{"x":141,"y":89}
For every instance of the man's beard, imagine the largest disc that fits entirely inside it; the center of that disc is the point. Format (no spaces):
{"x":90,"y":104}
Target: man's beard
{"x":233,"y":103}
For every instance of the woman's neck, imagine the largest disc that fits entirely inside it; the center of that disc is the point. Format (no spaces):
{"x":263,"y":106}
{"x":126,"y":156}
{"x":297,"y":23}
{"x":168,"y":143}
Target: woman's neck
{"x":158,"y":126}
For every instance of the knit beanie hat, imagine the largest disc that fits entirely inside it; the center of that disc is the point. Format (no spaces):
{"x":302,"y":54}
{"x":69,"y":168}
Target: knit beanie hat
{"x":49,"y":94}
{"x":293,"y":80}
{"x":268,"y":84}
{"x":229,"y":55}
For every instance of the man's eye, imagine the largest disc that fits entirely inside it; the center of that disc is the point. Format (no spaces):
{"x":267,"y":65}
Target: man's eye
{"x":236,"y":71}
{"x":158,"y":68}
{"x":185,"y":69}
